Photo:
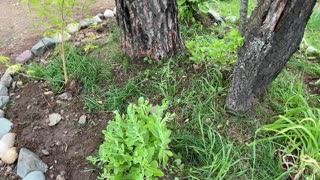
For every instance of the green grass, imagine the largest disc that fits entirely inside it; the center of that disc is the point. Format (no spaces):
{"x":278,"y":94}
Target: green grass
{"x":211,"y":143}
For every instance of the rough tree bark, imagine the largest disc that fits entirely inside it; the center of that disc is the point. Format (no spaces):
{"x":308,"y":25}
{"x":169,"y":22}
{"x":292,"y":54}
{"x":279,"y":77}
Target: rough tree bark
{"x":243,"y":15}
{"x":149,"y":28}
{"x":272,"y":34}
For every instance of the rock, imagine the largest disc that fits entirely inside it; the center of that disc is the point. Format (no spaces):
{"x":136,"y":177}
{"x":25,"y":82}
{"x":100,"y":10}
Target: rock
{"x":101,"y":16}
{"x":65,"y":96}
{"x":82,"y":120}
{"x":77,"y":44}
{"x":215,"y":15}
{"x":54,"y":119}
{"x":317,"y":83}
{"x":6,"y":142}
{"x":90,"y":21}
{"x":58,"y":37}
{"x":312,"y":50}
{"x":48,"y":93}
{"x":3,"y":89}
{"x":35,"y":175}
{"x":114,"y":10}
{"x":42,"y":46}
{"x":1,"y":115}
{"x":6,"y":79}
{"x":60,"y":177}
{"x":45,"y":152}
{"x":231,"y":19}
{"x":10,"y":156}
{"x":5,"y":126}
{"x":19,"y":84}
{"x":73,"y":27}
{"x":4,"y":100}
{"x":24,"y":56}
{"x":28,"y":162}
{"x":108,"y":13}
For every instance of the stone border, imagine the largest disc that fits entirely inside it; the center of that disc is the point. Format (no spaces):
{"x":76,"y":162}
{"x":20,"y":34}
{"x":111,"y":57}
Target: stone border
{"x":30,"y":166}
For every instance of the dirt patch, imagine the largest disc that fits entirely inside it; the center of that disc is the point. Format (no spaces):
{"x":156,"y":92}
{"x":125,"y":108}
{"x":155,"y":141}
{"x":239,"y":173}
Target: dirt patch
{"x":68,"y":143}
{"x":17,"y":26}
{"x":311,"y":82}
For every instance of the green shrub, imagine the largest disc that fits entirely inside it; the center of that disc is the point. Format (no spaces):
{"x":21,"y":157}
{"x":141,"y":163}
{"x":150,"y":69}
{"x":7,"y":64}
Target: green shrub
{"x":136,"y":144}
{"x":209,"y":48}
{"x":188,"y":8}
{"x":298,"y":132}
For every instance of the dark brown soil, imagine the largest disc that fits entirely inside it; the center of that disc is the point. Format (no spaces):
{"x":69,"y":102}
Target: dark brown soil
{"x":68,"y":143}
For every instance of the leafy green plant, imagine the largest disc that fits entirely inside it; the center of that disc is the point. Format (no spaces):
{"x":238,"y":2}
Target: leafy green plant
{"x":136,"y":144}
{"x":298,"y":132}
{"x":209,"y":48}
{"x":5,"y":60}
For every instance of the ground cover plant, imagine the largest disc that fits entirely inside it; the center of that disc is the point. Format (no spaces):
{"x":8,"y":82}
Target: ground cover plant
{"x":206,"y":142}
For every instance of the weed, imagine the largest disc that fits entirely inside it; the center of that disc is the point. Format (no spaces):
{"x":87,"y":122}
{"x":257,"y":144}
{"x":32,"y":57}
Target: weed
{"x":136,"y":144}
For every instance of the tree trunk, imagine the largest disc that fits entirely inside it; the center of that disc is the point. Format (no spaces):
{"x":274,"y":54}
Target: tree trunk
{"x":243,"y":15}
{"x":149,"y":28}
{"x":273,"y":34}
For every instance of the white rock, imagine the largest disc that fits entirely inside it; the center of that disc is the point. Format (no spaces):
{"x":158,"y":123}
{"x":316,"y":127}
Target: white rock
{"x":10,"y":156}
{"x":108,"y":13}
{"x":6,"y":142}
{"x":82,"y":120}
{"x":97,"y":19}
{"x":114,"y":10}
{"x":311,"y":49}
{"x":58,"y":37}
{"x":231,"y":19}
{"x":215,"y":15}
{"x":73,"y":27}
{"x":54,"y":119}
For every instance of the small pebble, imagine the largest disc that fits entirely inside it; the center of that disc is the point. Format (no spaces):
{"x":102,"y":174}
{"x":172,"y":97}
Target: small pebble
{"x":45,"y":152}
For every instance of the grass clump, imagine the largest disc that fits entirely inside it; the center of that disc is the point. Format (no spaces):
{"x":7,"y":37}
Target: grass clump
{"x":80,"y":67}
{"x":297,"y":135}
{"x":136,"y":144}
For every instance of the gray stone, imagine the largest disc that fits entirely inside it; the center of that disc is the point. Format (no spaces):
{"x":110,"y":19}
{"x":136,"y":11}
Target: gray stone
{"x":77,"y":44}
{"x":35,"y":175}
{"x":65,"y":96}
{"x":312,"y":50}
{"x":231,"y":19}
{"x":5,"y":126}
{"x":108,"y":13}
{"x":28,"y":162}
{"x":54,"y":119}
{"x":6,"y":79}
{"x":215,"y":15}
{"x":82,"y":120}
{"x":42,"y":46}
{"x":58,"y":37}
{"x":90,"y":21}
{"x":73,"y":27}
{"x":4,"y":100}
{"x":1,"y":113}
{"x":24,"y":56}
{"x":3,"y":89}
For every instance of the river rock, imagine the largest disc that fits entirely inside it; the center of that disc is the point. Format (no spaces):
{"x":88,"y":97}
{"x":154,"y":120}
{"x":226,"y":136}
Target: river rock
{"x":42,"y":46}
{"x":54,"y":119}
{"x":108,"y":13}
{"x":28,"y":162}
{"x":1,"y":115}
{"x":90,"y":21}
{"x":5,"y":126}
{"x":58,"y":37}
{"x":3,"y":89}
{"x":215,"y":15}
{"x":35,"y":175}
{"x":10,"y":156}
{"x":6,"y":79}
{"x":73,"y":27}
{"x":231,"y":19}
{"x":4,"y":100}
{"x":6,"y":142}
{"x":65,"y":96}
{"x":24,"y":56}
